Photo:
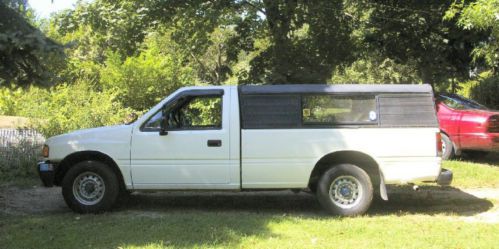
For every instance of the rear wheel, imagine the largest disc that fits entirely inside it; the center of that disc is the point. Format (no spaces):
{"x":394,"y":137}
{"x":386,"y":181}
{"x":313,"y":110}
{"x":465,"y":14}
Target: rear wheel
{"x":345,"y":189}
{"x":448,"y":151}
{"x":90,"y":187}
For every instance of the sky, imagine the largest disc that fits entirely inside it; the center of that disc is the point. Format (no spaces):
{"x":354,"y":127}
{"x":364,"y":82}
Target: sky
{"x":44,"y":8}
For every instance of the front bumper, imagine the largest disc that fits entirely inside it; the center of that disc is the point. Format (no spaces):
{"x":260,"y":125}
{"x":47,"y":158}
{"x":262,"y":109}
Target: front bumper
{"x":445,"y":177}
{"x":46,"y":171}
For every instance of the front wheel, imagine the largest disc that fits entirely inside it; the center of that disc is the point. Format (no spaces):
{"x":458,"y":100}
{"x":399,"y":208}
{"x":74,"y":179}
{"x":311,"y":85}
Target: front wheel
{"x":345,"y":189}
{"x":90,"y":187}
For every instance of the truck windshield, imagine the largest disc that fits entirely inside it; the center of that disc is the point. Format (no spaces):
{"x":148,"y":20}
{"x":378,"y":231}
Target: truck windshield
{"x":461,"y":103}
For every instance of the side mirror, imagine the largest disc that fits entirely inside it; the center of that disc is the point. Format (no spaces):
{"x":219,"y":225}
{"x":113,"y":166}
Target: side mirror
{"x":163,"y":131}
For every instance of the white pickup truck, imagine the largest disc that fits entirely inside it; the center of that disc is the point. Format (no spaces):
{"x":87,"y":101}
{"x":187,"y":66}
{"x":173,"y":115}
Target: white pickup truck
{"x":341,"y":142}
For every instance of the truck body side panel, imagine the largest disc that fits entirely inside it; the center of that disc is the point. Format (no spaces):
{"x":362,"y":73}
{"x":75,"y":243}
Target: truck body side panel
{"x":276,"y":158}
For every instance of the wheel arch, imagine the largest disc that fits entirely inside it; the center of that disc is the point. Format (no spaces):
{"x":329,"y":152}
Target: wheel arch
{"x":89,"y":155}
{"x":360,"y":159}
{"x":457,"y":150}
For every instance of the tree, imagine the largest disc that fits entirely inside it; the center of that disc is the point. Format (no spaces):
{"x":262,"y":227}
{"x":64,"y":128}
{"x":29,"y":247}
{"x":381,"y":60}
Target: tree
{"x":305,"y":39}
{"x":414,"y":31}
{"x":375,"y":69}
{"x":24,"y":50}
{"x":482,"y":15}
{"x":264,"y":41}
{"x":92,"y":28}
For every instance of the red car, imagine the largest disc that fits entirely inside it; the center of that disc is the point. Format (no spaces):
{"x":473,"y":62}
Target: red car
{"x":466,"y":126}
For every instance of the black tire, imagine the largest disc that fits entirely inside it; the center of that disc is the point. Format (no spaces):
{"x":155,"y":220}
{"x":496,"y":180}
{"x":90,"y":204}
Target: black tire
{"x":448,"y":151}
{"x":346,"y":175}
{"x":123,"y":198}
{"x":90,"y":175}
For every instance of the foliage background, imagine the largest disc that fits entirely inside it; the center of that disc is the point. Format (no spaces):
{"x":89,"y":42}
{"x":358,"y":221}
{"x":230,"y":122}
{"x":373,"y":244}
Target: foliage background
{"x":97,"y":63}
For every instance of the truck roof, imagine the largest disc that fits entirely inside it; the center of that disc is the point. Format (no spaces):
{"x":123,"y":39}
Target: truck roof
{"x":340,"y":88}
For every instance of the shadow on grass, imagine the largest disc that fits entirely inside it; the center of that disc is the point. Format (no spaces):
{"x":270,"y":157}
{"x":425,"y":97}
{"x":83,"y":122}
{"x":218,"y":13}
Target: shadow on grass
{"x":490,"y":158}
{"x":428,"y":200}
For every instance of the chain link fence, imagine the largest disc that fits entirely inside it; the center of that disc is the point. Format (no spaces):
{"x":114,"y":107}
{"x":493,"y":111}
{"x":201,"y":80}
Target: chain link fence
{"x":19,"y":151}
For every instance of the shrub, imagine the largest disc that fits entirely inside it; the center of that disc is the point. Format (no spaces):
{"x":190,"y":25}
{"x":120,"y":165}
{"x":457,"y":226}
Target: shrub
{"x":64,"y":108}
{"x":9,"y":100}
{"x":141,"y":82}
{"x":464,"y":88}
{"x":486,"y":92}
{"x":376,"y":70}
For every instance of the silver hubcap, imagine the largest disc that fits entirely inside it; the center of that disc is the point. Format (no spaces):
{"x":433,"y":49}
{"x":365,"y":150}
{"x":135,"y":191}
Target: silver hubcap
{"x":345,"y":191}
{"x":88,"y":188}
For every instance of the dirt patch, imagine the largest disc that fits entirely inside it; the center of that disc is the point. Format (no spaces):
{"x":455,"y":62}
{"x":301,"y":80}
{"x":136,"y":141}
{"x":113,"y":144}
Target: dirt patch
{"x":491,"y":216}
{"x":16,"y":200}
{"x":469,"y":205}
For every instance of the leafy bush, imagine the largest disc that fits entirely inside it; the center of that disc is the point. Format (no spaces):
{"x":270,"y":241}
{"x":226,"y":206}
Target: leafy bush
{"x":63,"y":108}
{"x":9,"y":100}
{"x":464,"y":88}
{"x":142,"y":81}
{"x":376,"y":70}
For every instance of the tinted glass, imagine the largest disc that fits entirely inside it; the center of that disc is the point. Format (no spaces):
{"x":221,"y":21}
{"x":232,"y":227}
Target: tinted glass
{"x":270,"y":111}
{"x":460,"y":103}
{"x":330,"y":109}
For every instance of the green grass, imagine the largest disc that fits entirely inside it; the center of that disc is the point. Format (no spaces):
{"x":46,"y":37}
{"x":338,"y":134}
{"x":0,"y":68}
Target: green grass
{"x":229,"y":229}
{"x":473,"y":175}
{"x":411,"y":220}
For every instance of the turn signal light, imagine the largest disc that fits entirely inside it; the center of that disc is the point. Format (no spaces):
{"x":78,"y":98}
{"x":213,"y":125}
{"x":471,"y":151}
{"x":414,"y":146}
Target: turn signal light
{"x":45,"y":151}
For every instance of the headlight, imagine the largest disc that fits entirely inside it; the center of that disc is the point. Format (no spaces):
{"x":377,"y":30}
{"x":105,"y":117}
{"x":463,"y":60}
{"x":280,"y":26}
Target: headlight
{"x":45,"y":151}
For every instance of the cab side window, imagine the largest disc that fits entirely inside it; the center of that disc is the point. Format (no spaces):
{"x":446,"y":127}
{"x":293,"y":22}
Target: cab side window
{"x":200,"y":112}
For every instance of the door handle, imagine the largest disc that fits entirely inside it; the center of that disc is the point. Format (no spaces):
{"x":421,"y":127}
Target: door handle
{"x":214,"y":143}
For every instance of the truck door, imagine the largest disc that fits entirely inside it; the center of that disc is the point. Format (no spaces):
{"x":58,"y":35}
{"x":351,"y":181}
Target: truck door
{"x":195,"y":151}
